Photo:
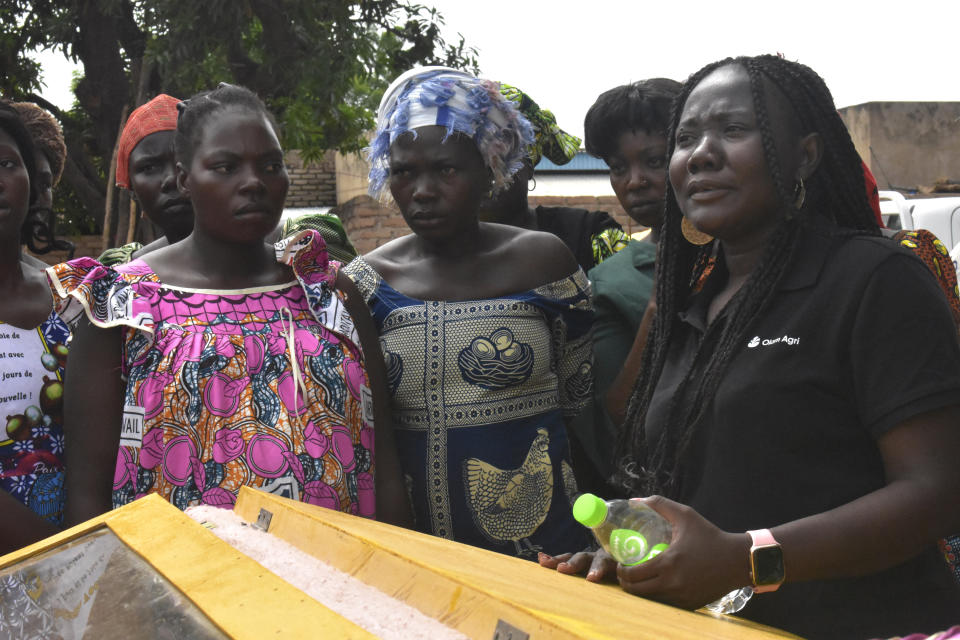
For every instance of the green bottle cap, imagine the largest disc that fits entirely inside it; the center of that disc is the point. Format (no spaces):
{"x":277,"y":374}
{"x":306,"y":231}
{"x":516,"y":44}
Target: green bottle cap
{"x":589,"y":510}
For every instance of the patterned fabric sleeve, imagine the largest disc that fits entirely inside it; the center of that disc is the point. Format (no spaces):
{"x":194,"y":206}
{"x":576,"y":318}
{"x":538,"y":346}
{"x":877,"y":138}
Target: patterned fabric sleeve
{"x":364,"y":276}
{"x":306,"y":253}
{"x":608,"y":242}
{"x":119,"y":255}
{"x":950,"y":548}
{"x":569,"y":309}
{"x":926,"y":246}
{"x":953,"y":633}
{"x":109,"y":297}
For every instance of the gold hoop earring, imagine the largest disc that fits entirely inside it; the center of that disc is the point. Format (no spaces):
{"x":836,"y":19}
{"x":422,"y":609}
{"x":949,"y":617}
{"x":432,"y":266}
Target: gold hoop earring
{"x":693,"y":235}
{"x":799,"y":194}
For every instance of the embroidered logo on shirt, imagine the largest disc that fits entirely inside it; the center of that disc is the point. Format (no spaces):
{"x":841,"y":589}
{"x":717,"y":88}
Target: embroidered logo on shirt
{"x":757,"y":341}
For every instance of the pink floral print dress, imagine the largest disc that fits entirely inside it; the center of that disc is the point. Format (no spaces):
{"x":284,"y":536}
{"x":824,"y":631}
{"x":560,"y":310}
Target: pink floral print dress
{"x":261,"y":387}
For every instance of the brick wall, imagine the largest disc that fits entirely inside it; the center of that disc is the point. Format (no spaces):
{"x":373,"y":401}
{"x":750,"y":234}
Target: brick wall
{"x":370,"y":224}
{"x":312,"y":184}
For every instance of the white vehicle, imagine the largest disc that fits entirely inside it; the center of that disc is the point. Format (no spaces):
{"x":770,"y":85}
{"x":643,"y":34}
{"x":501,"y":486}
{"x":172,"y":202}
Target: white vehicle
{"x":941,"y":216}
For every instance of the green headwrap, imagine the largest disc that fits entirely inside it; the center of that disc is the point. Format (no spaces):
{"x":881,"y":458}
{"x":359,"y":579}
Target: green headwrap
{"x":549,"y":140}
{"x":339,"y":247}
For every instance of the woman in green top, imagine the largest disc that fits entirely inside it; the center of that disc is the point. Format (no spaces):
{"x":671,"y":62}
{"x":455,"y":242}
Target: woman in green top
{"x":627,"y":128}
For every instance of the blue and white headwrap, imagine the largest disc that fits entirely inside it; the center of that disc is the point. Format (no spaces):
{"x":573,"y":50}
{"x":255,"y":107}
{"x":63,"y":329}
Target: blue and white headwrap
{"x":456,"y":100}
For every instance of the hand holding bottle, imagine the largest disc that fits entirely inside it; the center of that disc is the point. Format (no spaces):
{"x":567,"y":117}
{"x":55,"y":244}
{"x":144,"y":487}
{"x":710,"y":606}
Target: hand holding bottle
{"x":703,"y":563}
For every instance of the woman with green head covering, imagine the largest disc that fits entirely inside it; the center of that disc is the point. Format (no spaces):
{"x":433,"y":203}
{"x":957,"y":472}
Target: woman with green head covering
{"x":592,"y":236}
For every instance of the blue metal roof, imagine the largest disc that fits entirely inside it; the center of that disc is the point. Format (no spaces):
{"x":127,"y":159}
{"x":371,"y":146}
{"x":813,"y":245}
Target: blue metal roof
{"x":583,"y":162}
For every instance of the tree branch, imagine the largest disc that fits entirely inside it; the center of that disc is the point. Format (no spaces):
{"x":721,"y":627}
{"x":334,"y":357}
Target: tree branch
{"x":40,"y":101}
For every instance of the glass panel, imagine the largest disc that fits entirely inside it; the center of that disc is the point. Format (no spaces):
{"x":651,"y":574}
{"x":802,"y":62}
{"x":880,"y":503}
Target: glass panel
{"x":95,"y":587}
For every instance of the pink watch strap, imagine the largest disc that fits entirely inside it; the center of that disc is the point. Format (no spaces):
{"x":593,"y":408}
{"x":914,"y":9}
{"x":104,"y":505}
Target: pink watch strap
{"x":762,"y":537}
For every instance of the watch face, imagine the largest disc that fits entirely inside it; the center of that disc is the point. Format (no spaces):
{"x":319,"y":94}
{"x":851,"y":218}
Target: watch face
{"x":767,"y":565}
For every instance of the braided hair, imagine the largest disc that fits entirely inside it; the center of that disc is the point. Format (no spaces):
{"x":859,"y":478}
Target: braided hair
{"x":835,"y":191}
{"x":641,"y":106}
{"x":198,"y":109}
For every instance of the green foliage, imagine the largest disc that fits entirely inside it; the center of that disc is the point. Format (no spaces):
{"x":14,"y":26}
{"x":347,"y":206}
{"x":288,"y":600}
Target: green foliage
{"x":320,"y":65}
{"x":72,"y":219}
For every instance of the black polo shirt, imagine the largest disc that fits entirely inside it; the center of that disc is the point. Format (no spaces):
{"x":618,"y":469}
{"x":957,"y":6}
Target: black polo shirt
{"x":857,"y":339}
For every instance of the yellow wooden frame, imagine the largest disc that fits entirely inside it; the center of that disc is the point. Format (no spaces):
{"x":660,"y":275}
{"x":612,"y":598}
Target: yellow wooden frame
{"x":239,"y":596}
{"x":463,"y":587}
{"x":470,"y":589}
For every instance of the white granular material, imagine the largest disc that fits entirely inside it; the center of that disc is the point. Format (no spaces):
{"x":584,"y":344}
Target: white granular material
{"x":365,"y":606}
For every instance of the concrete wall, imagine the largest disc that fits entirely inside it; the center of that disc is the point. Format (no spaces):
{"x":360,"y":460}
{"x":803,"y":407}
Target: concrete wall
{"x":907,"y":145}
{"x":351,"y":173}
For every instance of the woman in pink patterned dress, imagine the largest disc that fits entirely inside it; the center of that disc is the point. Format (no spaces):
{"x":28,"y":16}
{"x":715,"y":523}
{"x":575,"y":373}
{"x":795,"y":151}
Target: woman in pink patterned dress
{"x":214,"y":363}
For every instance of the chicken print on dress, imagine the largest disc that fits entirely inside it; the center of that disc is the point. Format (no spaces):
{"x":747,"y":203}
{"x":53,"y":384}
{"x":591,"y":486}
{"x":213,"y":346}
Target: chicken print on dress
{"x":508,"y":505}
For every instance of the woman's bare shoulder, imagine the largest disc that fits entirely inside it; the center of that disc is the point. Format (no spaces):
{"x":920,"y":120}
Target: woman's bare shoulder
{"x":159,"y":243}
{"x":391,"y":255}
{"x":539,"y":257}
{"x":520,"y":259}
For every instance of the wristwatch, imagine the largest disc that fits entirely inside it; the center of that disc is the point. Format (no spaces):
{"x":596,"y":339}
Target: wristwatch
{"x":766,"y":561}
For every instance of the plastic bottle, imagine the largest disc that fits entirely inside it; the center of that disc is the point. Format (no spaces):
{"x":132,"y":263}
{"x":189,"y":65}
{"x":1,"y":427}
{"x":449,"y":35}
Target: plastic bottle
{"x":632,"y":533}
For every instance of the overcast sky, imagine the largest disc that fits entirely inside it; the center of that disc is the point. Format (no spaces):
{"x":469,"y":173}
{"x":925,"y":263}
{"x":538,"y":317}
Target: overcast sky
{"x":565,"y":53}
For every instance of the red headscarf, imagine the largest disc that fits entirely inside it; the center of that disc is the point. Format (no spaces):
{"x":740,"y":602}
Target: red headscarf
{"x":873,"y":195}
{"x":160,"y":114}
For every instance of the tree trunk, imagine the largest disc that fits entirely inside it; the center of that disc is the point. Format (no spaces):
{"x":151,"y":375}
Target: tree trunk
{"x":109,"y":206}
{"x":123,"y":218}
{"x":104,"y":89}
{"x":132,"y":217}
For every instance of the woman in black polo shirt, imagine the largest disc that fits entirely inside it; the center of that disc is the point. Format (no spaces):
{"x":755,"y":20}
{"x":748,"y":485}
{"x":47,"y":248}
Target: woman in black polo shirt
{"x":808,"y":394}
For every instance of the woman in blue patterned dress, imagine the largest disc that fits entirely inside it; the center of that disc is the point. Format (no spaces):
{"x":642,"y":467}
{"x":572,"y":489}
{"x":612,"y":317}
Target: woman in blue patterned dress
{"x":485,"y":327}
